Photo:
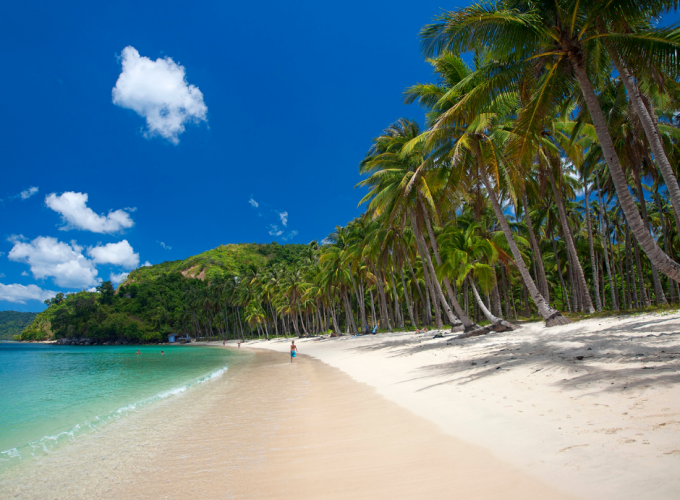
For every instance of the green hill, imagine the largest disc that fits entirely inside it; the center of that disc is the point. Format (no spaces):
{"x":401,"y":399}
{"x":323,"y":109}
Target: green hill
{"x":225,"y":260}
{"x":153,"y":300}
{"x":13,"y":322}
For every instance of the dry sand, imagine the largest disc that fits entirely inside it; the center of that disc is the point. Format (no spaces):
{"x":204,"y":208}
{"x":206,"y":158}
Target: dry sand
{"x":591,"y":408}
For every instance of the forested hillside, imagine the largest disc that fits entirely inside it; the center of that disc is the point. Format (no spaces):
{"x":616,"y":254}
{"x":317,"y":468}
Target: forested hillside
{"x":154,"y":300}
{"x":13,"y":322}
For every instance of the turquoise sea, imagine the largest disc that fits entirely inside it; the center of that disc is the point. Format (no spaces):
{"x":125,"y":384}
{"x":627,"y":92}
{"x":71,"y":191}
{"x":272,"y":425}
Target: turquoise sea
{"x":49,"y":395}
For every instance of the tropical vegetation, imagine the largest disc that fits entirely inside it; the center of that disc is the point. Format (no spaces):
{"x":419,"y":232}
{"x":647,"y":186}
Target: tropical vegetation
{"x":543,"y":184}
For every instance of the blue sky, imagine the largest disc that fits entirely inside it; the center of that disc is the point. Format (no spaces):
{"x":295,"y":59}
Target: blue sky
{"x":228,"y":120}
{"x":282,"y":98}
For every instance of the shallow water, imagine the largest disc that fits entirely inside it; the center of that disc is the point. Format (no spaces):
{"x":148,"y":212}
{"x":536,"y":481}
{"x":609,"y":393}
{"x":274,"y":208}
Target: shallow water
{"x":50,"y":395}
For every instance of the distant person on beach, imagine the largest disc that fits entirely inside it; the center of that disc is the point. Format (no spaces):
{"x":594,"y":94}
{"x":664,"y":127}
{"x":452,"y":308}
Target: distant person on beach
{"x":162,"y":352}
{"x":239,"y":344}
{"x":293,"y":351}
{"x":224,"y":343}
{"x":137,"y":351}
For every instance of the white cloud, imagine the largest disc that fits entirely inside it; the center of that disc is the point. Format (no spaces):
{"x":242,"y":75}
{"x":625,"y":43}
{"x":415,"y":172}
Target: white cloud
{"x":147,"y":264}
{"x":27,"y":193}
{"x":119,"y":254}
{"x":164,"y":245}
{"x":158,"y":91}
{"x":19,"y":294}
{"x":48,"y":257}
{"x":77,"y":215}
{"x":290,"y":235}
{"x":117,"y":279}
{"x":24,"y":273}
{"x":284,"y":218}
{"x":253,"y":203}
{"x":274,"y":230}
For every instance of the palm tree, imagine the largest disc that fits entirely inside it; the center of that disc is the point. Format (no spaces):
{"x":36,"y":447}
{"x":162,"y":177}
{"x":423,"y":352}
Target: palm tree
{"x":541,"y":43}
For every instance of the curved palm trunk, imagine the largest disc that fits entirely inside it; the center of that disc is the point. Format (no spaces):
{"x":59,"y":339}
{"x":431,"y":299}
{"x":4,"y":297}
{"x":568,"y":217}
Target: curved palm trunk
{"x":593,"y":262}
{"x":657,"y":256}
{"x":566,"y":230}
{"x":426,"y":274}
{"x":542,"y":280}
{"x":499,"y":324}
{"x":551,"y":316}
{"x":455,"y":322}
{"x":652,"y":133}
{"x":462,"y":318}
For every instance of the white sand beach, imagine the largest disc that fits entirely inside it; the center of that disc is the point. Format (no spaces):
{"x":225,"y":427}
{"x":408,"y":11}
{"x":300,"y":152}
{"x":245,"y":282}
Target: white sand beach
{"x":591,"y":408}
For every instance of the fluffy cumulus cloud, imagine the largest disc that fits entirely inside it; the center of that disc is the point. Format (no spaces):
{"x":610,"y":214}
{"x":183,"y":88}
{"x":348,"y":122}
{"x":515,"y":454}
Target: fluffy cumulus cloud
{"x":284,"y":218}
{"x":158,"y":91}
{"x":19,"y":294}
{"x":48,"y":257}
{"x":27,"y":193}
{"x":146,"y":264}
{"x":117,"y":279}
{"x":118,"y":254}
{"x":253,"y":203}
{"x":77,"y":215}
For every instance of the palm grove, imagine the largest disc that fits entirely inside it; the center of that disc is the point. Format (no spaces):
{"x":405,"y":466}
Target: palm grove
{"x":545,"y":182}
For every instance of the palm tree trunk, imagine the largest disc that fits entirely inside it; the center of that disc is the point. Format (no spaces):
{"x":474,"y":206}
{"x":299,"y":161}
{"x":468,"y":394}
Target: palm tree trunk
{"x":658,"y":291}
{"x":566,"y":230}
{"x":659,"y":207}
{"x":593,"y":262}
{"x":499,"y":324}
{"x":551,"y":316}
{"x":565,"y":294}
{"x":372,"y":309}
{"x":407,"y":297}
{"x":455,"y":322}
{"x":384,"y":315}
{"x":604,"y":228}
{"x":462,"y":318}
{"x":657,"y":256}
{"x":542,"y":280}
{"x":426,"y":274}
{"x":360,"y":301}
{"x":629,"y":268}
{"x":415,"y":279}
{"x":652,"y":132}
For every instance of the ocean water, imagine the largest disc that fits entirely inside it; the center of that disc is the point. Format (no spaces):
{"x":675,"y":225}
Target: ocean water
{"x":50,"y":395}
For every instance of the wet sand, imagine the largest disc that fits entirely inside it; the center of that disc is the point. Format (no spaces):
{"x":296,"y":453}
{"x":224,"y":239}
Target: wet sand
{"x":269,"y":429}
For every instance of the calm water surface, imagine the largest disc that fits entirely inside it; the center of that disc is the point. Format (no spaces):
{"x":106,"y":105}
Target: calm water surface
{"x":51,"y":394}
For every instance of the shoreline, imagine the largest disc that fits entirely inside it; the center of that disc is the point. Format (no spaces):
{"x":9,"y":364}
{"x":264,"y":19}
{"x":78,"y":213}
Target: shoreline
{"x":274,"y":430}
{"x":579,"y":406}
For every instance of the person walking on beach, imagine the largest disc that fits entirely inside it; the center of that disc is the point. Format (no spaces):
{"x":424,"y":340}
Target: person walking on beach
{"x":137,"y":351}
{"x":293,"y":351}
{"x":224,"y":343}
{"x":239,"y":344}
